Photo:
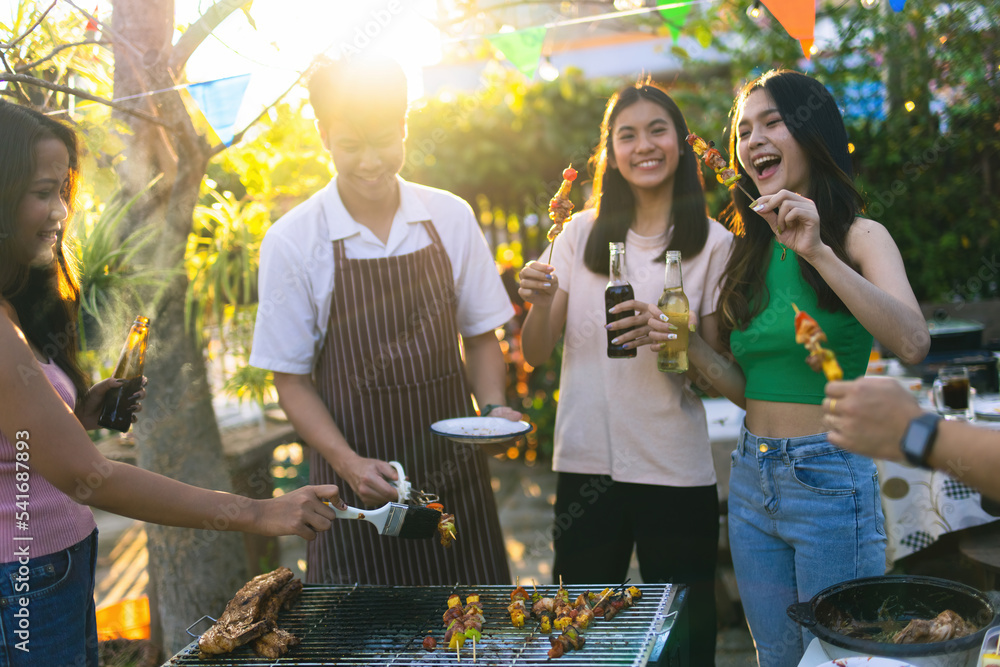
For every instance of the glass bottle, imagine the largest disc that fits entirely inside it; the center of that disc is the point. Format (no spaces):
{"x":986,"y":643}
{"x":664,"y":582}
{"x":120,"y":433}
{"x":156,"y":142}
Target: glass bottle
{"x":617,"y":291}
{"x":673,"y":358}
{"x":116,"y":412}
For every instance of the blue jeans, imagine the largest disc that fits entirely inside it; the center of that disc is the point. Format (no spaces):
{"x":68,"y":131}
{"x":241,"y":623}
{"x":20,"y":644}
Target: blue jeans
{"x":803,"y":515}
{"x":57,"y":626}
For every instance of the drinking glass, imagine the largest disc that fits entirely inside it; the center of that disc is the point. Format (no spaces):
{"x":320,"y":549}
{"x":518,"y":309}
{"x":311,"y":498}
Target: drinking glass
{"x":953,"y":393}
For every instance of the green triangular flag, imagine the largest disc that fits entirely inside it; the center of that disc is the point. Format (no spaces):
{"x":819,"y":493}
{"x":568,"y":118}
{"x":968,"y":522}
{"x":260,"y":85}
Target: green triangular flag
{"x":675,"y":14}
{"x":521,"y":47}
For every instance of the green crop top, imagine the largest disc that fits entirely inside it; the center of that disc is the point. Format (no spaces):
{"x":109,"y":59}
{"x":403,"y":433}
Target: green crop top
{"x":772,"y":362}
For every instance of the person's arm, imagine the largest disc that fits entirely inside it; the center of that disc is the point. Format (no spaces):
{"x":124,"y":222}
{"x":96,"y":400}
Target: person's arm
{"x":486,"y":371}
{"x":543,"y":326}
{"x":880,"y":297}
{"x":56,"y":447}
{"x":870,"y":416}
{"x":312,"y":421}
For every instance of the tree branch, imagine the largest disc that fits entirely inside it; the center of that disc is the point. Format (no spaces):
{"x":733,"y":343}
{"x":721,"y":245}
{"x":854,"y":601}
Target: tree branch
{"x":8,"y":45}
{"x":82,"y":94}
{"x":105,"y":28}
{"x":199,"y":31}
{"x":61,"y":47}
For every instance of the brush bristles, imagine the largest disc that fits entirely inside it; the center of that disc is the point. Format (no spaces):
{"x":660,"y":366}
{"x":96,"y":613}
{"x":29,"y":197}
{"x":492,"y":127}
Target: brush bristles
{"x":419,"y":523}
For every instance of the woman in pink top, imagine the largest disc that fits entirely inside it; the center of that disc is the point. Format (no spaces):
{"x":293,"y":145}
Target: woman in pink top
{"x":47,"y":534}
{"x":631,"y":443}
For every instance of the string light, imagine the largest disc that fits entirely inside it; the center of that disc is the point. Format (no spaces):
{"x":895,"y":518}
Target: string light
{"x":869,"y":4}
{"x":753,"y":11}
{"x":910,"y":106}
{"x":547,"y":71}
{"x":627,"y":5}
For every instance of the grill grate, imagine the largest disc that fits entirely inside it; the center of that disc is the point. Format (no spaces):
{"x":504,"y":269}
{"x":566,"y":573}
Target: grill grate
{"x":386,"y":625}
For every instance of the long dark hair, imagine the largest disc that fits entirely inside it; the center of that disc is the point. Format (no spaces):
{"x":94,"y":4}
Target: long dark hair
{"x":45,"y":298}
{"x":613,"y":198}
{"x":811,"y":115}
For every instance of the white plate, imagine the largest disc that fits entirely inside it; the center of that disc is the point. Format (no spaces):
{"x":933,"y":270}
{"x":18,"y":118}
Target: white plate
{"x":862,"y":661}
{"x":480,"y":430}
{"x":987,"y":407}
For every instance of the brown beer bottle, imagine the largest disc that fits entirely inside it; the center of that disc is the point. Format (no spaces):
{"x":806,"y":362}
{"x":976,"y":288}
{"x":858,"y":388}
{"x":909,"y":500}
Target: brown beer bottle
{"x":116,"y":412}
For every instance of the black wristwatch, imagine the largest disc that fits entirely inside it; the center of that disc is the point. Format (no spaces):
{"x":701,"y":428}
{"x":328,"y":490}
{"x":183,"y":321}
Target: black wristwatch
{"x":919,"y":438}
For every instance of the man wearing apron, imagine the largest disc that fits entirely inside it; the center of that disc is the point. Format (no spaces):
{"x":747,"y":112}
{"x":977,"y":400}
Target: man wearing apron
{"x":364,"y":291}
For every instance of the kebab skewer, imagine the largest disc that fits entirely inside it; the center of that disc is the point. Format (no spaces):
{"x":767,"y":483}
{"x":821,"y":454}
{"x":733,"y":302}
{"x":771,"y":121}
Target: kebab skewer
{"x":518,"y":607}
{"x":463,"y":623}
{"x":560,"y":208}
{"x":809,"y":334}
{"x":446,"y":525}
{"x":725,"y":174}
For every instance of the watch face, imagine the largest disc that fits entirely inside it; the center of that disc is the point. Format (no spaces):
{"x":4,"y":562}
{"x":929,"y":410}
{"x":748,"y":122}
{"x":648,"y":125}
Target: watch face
{"x":919,"y":438}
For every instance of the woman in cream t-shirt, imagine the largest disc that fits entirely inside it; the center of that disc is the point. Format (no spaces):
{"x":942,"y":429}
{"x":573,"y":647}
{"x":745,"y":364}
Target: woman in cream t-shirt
{"x":631,"y":443}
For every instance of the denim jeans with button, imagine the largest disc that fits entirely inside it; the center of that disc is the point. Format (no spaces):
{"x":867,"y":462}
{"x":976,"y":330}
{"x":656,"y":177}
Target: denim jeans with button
{"x":803,"y":515}
{"x":60,"y":621}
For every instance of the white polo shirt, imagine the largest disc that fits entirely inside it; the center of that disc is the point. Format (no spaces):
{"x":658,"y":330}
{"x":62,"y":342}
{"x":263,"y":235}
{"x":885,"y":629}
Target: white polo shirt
{"x":297,"y":269}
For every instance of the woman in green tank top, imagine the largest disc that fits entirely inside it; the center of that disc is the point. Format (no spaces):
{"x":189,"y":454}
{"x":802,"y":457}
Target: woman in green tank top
{"x":803,"y":514}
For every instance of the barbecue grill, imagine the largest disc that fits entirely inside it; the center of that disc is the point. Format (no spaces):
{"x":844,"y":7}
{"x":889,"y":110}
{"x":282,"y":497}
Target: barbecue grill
{"x":386,"y":625}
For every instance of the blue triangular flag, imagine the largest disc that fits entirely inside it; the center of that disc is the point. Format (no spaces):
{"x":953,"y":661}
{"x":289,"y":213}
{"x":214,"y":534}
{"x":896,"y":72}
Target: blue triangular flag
{"x":220,"y":101}
{"x":897,"y":5}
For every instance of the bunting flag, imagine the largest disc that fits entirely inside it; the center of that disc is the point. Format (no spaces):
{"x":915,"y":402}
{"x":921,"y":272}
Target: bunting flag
{"x":91,"y":23}
{"x":674,"y":14}
{"x":798,"y":17}
{"x":522,"y":48}
{"x":220,"y":101}
{"x":897,"y":5}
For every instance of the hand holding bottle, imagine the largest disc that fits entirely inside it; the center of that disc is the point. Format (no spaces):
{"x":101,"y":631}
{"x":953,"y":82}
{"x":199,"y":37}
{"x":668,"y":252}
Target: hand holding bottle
{"x":118,"y":411}
{"x":661,"y":329}
{"x":88,"y":408}
{"x":632,"y":329}
{"x":538,"y":283}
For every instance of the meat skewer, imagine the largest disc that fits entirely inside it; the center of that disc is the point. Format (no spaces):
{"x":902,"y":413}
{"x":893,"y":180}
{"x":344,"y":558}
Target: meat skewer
{"x":809,"y":334}
{"x":463,"y":623}
{"x":518,"y":608}
{"x":560,"y":207}
{"x":725,"y":174}
{"x":445,"y":526}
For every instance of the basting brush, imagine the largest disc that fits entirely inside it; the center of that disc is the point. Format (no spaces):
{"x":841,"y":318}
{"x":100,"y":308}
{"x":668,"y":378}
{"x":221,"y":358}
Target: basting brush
{"x":396,"y":520}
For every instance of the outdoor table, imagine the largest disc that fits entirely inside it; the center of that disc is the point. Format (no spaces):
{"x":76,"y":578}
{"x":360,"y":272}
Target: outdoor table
{"x":922,"y":505}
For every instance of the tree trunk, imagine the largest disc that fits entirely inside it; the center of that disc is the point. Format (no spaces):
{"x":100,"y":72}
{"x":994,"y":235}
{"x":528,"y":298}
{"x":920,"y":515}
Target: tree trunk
{"x":194,"y":572}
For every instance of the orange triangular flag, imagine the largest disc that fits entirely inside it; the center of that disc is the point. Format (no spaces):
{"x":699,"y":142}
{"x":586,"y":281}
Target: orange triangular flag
{"x":91,"y":23}
{"x":798,"y":17}
{"x":806,"y":46}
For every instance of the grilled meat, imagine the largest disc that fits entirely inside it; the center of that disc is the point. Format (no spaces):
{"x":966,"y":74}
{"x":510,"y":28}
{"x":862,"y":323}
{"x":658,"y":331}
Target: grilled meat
{"x":251,"y":613}
{"x":274,"y":643}
{"x":946,"y":625}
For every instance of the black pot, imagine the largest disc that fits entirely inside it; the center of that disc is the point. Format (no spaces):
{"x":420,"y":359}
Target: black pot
{"x":952,"y":335}
{"x":897,"y":598}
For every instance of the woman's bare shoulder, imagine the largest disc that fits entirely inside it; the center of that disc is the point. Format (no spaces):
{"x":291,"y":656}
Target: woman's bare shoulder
{"x":867,"y":236}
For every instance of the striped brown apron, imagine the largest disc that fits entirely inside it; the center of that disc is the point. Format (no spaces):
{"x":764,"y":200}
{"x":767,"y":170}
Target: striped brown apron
{"x":389,"y":368}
